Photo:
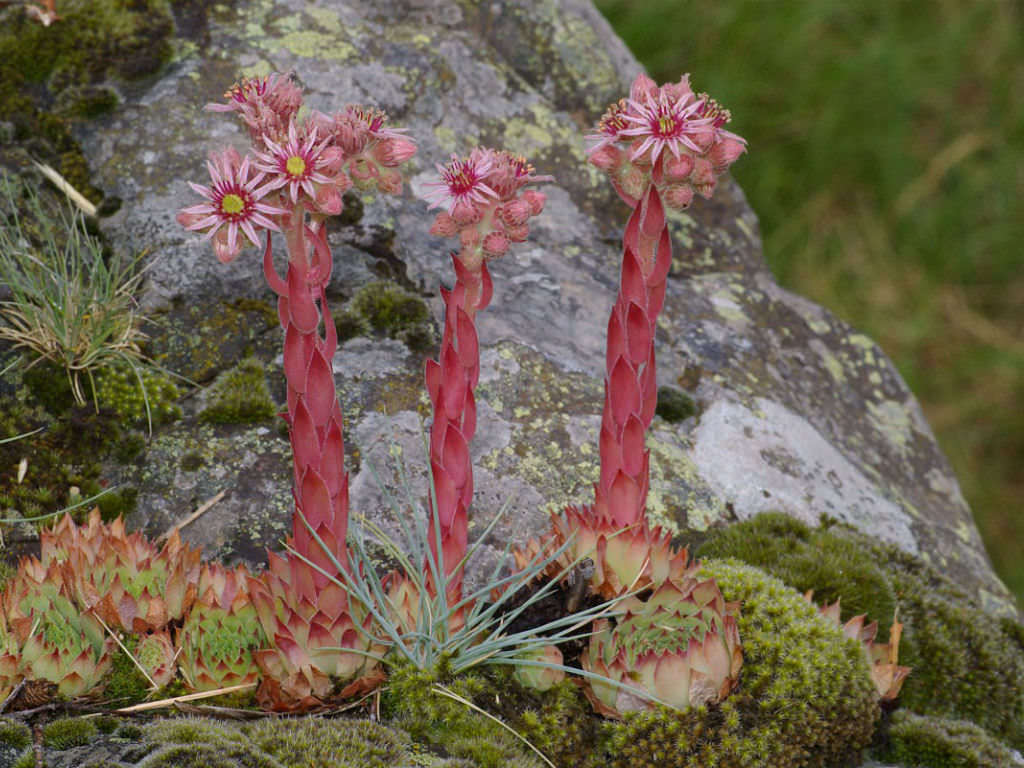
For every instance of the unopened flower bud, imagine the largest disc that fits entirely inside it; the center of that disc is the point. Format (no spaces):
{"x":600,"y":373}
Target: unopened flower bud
{"x":607,"y":158}
{"x":703,"y":138}
{"x":724,"y":153}
{"x":636,"y":155}
{"x":678,"y":197}
{"x":328,"y":199}
{"x":188,"y":219}
{"x":495,"y":244}
{"x":334,"y":159}
{"x":390,"y":182}
{"x":444,"y":226}
{"x":393,"y":152}
{"x":536,"y":200}
{"x":705,"y":190}
{"x":517,"y":234}
{"x":632,"y":181}
{"x":678,"y":168}
{"x":516,"y":212}
{"x":642,"y":88}
{"x":703,"y":173}
{"x":464,"y":214}
{"x":362,"y":172}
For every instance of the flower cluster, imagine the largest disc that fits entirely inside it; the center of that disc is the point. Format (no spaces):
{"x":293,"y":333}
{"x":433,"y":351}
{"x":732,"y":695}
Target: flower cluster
{"x":484,"y":201}
{"x":297,"y":164}
{"x":668,"y":136}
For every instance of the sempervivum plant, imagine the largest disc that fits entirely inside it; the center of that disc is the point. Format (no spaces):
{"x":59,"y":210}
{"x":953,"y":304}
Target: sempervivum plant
{"x":680,"y":647}
{"x":321,"y":645}
{"x":59,"y":643}
{"x":155,"y":653}
{"x":628,"y":559}
{"x":123,"y":578}
{"x":10,"y":668}
{"x":221,"y":632}
{"x":886,"y":673}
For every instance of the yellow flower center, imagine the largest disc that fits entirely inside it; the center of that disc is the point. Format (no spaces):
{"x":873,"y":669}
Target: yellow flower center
{"x":666,"y":125}
{"x":295,"y":165}
{"x":232,"y":204}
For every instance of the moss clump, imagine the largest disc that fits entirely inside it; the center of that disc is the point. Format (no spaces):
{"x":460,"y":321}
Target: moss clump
{"x":338,"y":743}
{"x":193,"y":730}
{"x":412,"y":704}
{"x":810,"y":559}
{"x":391,"y":311}
{"x":208,"y":756}
{"x":125,"y":684}
{"x":934,"y":742}
{"x":118,"y":389}
{"x":14,"y":734}
{"x":27,"y":759}
{"x":806,"y":697}
{"x":966,"y":664}
{"x":674,"y":405}
{"x":69,"y":732}
{"x":559,"y":722}
{"x":240,"y":396}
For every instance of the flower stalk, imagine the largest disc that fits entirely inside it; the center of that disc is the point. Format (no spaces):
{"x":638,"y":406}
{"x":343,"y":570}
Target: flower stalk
{"x":658,"y":147}
{"x":486,"y":206}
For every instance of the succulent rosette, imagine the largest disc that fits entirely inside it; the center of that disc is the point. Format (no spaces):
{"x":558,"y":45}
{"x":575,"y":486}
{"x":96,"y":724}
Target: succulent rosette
{"x":883,"y":658}
{"x":222,"y":631}
{"x":319,"y":638}
{"x":624,"y":560}
{"x":680,"y":646}
{"x":59,"y":643}
{"x":540,"y":678}
{"x":10,"y":666}
{"x":123,"y":578}
{"x":155,"y":653}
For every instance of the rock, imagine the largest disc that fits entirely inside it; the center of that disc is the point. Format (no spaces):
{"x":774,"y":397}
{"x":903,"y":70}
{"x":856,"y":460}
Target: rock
{"x":795,"y":411}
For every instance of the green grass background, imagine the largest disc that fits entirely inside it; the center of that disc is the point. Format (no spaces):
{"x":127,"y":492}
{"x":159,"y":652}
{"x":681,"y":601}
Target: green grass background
{"x":886,"y":163}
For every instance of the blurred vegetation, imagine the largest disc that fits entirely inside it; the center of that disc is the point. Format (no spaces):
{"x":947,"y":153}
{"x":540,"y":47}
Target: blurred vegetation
{"x":887,"y":167}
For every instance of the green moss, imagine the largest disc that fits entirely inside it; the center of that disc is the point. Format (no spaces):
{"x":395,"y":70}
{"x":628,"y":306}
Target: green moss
{"x":559,"y":722}
{"x":806,"y":697}
{"x":966,"y":664}
{"x":190,"y":462}
{"x":338,"y":743}
{"x":14,"y":734}
{"x":26,"y":760}
{"x":240,"y":396}
{"x":208,"y":756}
{"x":118,"y":389}
{"x":125,"y":684}
{"x":129,"y":732}
{"x":69,"y":732}
{"x":391,"y":311}
{"x":809,"y":559}
{"x":934,"y":742}
{"x":674,"y":405}
{"x":350,"y":325}
{"x":193,"y":730}
{"x":412,"y":704}
{"x":107,"y":724}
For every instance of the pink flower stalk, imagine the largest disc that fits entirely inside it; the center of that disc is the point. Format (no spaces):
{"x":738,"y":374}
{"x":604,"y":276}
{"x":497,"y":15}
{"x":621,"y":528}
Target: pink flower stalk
{"x":486,"y":206}
{"x":658,"y":147}
{"x":304,"y":170}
